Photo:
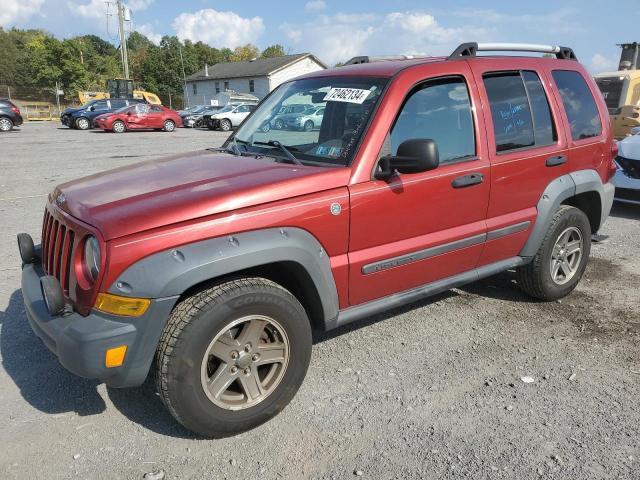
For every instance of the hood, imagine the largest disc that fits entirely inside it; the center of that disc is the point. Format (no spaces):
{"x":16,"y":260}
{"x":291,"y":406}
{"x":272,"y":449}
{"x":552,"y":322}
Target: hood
{"x":71,"y":111}
{"x":175,"y":189}
{"x":630,"y":147}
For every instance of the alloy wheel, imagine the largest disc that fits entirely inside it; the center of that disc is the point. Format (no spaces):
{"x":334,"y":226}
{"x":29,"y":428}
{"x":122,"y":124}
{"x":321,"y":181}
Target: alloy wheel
{"x":82,"y":123}
{"x":5,"y":125}
{"x":169,"y":126}
{"x":118,"y":127}
{"x":245,"y":362}
{"x":566,"y":255}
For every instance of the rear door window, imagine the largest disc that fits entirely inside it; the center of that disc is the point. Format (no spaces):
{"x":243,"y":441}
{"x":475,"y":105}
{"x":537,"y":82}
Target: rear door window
{"x":520,"y":110}
{"x":579,"y":104}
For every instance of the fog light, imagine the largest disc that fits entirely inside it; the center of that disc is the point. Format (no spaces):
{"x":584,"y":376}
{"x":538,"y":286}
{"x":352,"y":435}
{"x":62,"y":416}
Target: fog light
{"x":117,"y":305}
{"x":114,"y":357}
{"x":26,"y":248}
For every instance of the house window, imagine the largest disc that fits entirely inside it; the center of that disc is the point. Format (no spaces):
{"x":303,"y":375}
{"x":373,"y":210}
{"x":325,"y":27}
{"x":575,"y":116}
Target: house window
{"x":226,"y":86}
{"x":195,"y":88}
{"x":252,"y":86}
{"x":217,"y":87}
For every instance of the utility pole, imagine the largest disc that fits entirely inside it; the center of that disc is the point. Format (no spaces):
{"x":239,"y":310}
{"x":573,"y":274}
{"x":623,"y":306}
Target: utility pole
{"x":123,"y":39}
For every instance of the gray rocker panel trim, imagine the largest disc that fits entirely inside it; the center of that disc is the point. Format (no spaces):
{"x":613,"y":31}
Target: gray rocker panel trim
{"x":395,"y":300}
{"x":173,"y":271}
{"x":556,"y":192}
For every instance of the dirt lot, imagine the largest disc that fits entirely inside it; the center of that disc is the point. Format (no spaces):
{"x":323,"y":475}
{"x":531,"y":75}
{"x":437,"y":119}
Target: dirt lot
{"x":430,"y":391}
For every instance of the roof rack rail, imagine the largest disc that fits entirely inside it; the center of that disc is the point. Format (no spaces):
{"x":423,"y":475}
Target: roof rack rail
{"x":382,"y":58}
{"x":470,"y":49}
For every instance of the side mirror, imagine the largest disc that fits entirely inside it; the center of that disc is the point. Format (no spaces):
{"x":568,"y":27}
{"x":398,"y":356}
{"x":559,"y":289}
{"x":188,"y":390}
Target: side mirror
{"x":92,"y":108}
{"x":129,"y":113}
{"x":414,"y":156}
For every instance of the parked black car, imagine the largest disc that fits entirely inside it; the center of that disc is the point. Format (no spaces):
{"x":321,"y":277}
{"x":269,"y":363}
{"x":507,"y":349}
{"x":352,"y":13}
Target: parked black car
{"x":83,"y":117}
{"x":9,"y":115}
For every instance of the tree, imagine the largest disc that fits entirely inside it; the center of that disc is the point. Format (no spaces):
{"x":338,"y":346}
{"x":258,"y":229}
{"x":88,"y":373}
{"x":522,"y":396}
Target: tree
{"x":244,"y":53}
{"x":276,"y":50}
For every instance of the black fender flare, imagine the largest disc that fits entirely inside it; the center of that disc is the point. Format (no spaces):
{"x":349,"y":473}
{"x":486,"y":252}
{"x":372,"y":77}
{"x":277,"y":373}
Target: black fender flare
{"x":172,"y":272}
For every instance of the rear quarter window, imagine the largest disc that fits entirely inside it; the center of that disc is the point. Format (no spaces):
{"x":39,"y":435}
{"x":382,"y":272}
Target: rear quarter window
{"x":579,"y":104}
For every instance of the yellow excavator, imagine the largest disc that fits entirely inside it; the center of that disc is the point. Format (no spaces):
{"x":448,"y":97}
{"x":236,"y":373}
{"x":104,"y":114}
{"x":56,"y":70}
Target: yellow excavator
{"x":621,"y":90}
{"x":119,"y":88}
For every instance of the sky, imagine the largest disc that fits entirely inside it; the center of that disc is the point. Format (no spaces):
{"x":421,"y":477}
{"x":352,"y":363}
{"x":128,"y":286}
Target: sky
{"x":336,"y":30}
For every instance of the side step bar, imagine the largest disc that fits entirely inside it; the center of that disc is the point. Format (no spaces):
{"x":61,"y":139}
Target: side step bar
{"x":368,"y":309}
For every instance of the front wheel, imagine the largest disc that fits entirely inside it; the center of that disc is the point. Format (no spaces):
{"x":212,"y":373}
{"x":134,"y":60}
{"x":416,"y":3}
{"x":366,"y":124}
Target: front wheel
{"x":83,"y":123}
{"x":169,"y":126}
{"x":225,"y":125}
{"x":118,"y":126}
{"x":559,"y":263}
{"x":308,"y":126}
{"x":232,"y":356}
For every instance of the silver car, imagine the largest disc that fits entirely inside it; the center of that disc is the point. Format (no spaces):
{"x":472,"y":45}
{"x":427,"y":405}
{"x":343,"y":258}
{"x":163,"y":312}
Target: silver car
{"x":308,"y":120}
{"x":627,"y":178}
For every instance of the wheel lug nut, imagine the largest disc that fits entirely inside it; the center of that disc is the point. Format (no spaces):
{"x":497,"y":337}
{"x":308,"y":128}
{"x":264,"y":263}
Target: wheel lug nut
{"x":247,"y":348}
{"x":234,"y":369}
{"x":247,"y":371}
{"x":234,"y":354}
{"x":255,"y":357}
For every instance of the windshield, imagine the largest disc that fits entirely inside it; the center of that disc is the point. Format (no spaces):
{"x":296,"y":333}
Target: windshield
{"x":332,"y":136}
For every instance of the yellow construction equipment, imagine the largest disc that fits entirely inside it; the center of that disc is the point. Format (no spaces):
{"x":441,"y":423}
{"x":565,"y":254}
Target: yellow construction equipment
{"x":621,"y":91}
{"x":119,"y":88}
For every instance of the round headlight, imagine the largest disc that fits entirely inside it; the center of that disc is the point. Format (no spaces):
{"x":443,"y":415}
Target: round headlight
{"x":92,"y":257}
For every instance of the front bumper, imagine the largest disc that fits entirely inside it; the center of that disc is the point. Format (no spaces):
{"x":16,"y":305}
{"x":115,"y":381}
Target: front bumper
{"x":627,"y":188}
{"x":80,"y":343}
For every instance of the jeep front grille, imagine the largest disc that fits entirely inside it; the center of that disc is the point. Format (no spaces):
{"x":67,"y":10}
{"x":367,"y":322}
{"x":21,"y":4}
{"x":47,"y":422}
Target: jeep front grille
{"x":57,"y":249}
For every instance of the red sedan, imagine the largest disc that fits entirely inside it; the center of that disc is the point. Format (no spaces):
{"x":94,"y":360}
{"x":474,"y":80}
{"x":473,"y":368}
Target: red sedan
{"x":141,"y":116}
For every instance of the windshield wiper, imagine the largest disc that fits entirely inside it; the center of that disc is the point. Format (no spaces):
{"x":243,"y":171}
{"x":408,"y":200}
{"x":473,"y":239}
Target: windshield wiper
{"x":282,"y":148}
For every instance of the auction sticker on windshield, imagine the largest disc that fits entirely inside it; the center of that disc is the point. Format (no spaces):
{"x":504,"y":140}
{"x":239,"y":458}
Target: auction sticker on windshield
{"x":349,"y":95}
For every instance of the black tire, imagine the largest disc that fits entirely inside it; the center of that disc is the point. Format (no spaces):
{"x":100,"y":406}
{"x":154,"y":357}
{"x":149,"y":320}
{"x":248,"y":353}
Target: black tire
{"x":192,"y":326}
{"x":83,"y":123}
{"x":169,"y":126}
{"x":6,"y":124}
{"x":225,"y":125}
{"x":118,"y":127}
{"x":308,"y":126}
{"x":266,"y":126}
{"x":535,"y":278}
{"x":279,"y":124}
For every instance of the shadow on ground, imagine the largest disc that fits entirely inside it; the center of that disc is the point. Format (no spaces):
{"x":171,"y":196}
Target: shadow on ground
{"x":625,"y":210}
{"x":51,"y":389}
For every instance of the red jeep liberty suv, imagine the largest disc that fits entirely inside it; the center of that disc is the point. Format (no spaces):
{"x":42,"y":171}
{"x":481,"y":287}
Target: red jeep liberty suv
{"x":211,"y":269}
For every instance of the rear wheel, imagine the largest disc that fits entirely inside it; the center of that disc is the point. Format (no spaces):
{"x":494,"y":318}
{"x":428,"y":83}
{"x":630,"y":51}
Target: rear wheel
{"x":118,"y":126}
{"x":169,"y":126}
{"x":6,"y":124}
{"x":279,"y":124}
{"x":232,"y":356}
{"x":83,"y":123}
{"x":308,"y":126}
{"x":225,"y":125}
{"x":558,"y":265}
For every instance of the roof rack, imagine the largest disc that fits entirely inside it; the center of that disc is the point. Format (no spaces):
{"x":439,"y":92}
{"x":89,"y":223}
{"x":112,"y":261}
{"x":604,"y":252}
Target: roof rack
{"x":470,"y":49}
{"x":383,"y":58}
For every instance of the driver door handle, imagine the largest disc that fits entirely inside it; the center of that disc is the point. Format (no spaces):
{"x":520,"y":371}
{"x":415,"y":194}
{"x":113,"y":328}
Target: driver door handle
{"x":468,"y":180}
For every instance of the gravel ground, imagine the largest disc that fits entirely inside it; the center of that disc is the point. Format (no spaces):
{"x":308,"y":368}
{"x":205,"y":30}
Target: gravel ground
{"x":433,"y":390}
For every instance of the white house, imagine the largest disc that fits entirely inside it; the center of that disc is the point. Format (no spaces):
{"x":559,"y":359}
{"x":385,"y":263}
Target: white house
{"x":257,"y":77}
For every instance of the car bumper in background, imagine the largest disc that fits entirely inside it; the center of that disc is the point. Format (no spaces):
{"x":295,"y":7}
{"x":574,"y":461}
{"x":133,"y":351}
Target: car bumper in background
{"x":627,"y":188}
{"x":81,"y":343}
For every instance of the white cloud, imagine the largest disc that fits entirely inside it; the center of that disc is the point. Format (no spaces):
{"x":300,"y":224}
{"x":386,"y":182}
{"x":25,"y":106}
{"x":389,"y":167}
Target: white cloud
{"x":315,"y":6}
{"x":601,"y":63}
{"x":139,"y":5}
{"x":93,"y":9}
{"x":218,"y":29}
{"x":147,"y":31}
{"x":341,"y":36}
{"x":12,"y":11}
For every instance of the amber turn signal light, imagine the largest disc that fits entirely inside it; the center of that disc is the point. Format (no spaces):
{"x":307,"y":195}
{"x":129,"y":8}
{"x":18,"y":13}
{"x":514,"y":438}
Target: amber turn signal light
{"x":114,"y":357}
{"x":117,"y":305}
